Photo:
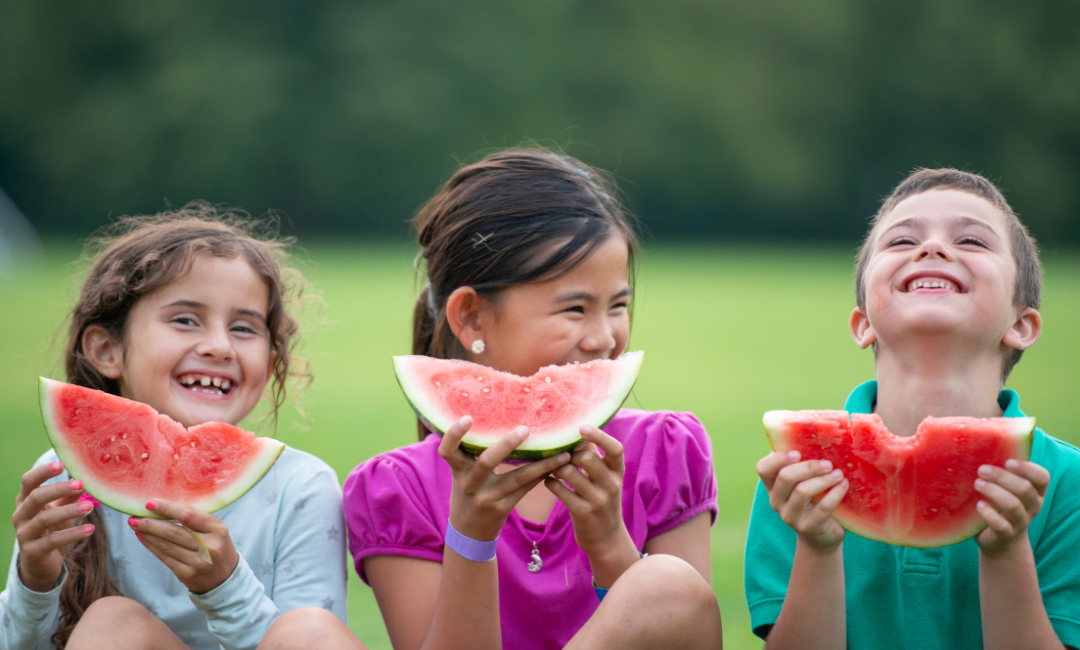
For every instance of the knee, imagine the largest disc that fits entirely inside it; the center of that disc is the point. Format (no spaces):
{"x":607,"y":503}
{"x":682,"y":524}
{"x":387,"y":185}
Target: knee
{"x":304,"y":627}
{"x":666,"y":579}
{"x":114,"y":609}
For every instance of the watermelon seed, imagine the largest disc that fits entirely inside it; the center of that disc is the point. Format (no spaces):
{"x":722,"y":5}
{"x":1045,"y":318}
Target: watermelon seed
{"x":193,"y":444}
{"x":479,"y":379}
{"x":145,"y":456}
{"x":543,"y":399}
{"x":176,"y":457}
{"x":124,"y":436}
{"x":547,"y":379}
{"x":106,"y":456}
{"x":933,"y":509}
{"x":949,"y":468}
{"x":850,"y":465}
{"x":486,"y":390}
{"x":438,"y":383}
{"x":464,"y":394}
{"x":527,"y":390}
{"x":114,"y":439}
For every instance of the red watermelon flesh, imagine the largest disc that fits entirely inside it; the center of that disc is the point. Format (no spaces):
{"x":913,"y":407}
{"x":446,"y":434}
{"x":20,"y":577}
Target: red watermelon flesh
{"x":917,"y":491}
{"x":126,"y":453}
{"x":553,"y":403}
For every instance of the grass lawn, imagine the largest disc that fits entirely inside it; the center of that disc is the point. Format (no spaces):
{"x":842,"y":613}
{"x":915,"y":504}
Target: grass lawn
{"x":730,"y":333}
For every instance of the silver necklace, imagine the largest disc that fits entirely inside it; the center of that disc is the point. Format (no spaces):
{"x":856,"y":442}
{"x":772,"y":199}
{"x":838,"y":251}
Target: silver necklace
{"x":535,"y":561}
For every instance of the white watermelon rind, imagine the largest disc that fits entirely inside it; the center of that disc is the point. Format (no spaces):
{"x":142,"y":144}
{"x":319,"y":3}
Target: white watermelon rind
{"x":551,"y":443}
{"x":776,"y":425}
{"x":270,"y":450}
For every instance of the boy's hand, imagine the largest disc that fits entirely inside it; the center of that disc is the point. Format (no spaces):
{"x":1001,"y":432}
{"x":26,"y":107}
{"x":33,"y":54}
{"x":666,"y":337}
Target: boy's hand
{"x":1014,"y":495}
{"x":199,"y":551}
{"x":805,"y":495}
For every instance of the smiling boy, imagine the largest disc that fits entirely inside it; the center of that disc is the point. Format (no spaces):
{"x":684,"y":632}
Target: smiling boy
{"x":947,"y":287}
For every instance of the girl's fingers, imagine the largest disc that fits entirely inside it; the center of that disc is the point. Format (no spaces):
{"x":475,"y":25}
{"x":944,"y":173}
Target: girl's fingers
{"x":165,"y":531}
{"x":57,"y":540}
{"x":50,"y":517}
{"x":517,"y":494}
{"x":600,"y":473}
{"x":192,"y":518}
{"x":569,"y":498}
{"x":613,"y":449}
{"x":529,"y":474}
{"x":1036,"y":474}
{"x":170,"y":546}
{"x":583,"y":487}
{"x":791,"y":476}
{"x":33,"y":479}
{"x":487,"y":461}
{"x":42,"y":496}
{"x":179,"y":569}
{"x":797,"y":504}
{"x":769,"y":467}
{"x":450,"y":445}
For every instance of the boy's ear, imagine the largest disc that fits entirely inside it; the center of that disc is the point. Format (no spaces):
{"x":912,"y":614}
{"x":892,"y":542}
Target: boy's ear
{"x":861,"y":329}
{"x":105,"y":354}
{"x":463,"y":309}
{"x":1025,"y":330}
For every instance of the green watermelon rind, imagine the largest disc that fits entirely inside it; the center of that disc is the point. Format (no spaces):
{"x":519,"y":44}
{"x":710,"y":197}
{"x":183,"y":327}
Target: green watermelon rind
{"x":552,"y":443}
{"x":268,"y":454}
{"x":775,"y":422}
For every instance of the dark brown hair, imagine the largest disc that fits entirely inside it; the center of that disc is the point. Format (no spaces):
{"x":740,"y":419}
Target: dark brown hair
{"x":515,"y":217}
{"x":1028,"y":289}
{"x":130,"y":259}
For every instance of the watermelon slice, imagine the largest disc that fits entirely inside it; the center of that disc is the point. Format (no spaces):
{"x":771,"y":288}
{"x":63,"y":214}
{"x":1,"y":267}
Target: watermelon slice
{"x":553,"y":403}
{"x":917,"y":491}
{"x":126,"y":453}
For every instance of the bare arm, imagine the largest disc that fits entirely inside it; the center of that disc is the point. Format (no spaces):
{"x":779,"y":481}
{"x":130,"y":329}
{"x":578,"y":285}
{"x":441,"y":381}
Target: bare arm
{"x":814,"y":615}
{"x":688,"y":541}
{"x":455,"y":604}
{"x":1013,"y":615}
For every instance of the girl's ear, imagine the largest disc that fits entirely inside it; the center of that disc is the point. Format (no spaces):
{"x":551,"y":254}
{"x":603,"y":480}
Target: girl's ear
{"x":861,"y":329}
{"x":105,"y":354}
{"x":1025,"y":331}
{"x":463,"y":309}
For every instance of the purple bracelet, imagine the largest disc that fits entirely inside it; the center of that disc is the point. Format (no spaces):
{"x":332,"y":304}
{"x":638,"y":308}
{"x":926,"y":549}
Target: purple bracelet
{"x":469,"y":548}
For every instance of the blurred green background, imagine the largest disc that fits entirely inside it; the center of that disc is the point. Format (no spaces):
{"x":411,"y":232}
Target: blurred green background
{"x":753,"y":140}
{"x":774,"y":118}
{"x":730,"y":333}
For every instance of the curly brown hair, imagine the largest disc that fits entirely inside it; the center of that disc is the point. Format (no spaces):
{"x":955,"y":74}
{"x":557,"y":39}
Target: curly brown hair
{"x":132,"y":258}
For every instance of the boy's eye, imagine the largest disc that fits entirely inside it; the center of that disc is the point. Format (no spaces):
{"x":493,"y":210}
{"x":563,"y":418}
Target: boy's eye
{"x":620,"y":305}
{"x":577,"y":309}
{"x":902,"y":241}
{"x":974,"y":241}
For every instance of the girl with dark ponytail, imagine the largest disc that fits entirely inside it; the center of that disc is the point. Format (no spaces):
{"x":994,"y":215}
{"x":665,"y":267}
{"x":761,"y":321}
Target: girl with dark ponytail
{"x":529,"y":262}
{"x":188,"y":312}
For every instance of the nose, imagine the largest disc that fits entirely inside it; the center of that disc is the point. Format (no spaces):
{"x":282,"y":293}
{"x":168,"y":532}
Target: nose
{"x":933,"y":248}
{"x":600,"y":336}
{"x":216,"y":344}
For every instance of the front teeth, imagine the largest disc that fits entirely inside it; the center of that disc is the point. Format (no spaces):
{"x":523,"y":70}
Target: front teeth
{"x":932,"y":284}
{"x":205,"y":383}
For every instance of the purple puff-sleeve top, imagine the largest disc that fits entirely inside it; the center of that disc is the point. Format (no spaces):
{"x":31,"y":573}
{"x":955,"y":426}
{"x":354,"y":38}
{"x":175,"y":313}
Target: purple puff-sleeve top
{"x":397,"y":503}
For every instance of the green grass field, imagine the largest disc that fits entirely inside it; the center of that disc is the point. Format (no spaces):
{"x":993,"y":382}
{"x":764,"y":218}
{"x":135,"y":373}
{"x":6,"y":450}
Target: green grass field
{"x":730,"y":333}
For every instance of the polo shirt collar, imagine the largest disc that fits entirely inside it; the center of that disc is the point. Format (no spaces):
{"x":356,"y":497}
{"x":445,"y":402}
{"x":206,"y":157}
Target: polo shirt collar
{"x":862,"y":399}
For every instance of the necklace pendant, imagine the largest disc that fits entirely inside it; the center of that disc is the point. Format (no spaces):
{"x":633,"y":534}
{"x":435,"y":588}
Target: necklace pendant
{"x":536,"y":564}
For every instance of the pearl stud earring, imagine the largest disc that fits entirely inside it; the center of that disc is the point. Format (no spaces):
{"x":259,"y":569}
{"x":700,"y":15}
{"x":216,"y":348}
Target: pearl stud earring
{"x":478,"y":346}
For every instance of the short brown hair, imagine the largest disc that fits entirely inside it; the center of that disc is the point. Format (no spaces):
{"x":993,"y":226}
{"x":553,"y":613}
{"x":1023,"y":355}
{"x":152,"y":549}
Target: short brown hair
{"x":1028,"y":289}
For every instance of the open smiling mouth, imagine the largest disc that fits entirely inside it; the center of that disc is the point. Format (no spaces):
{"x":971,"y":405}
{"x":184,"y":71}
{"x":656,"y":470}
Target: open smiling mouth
{"x":200,"y":383}
{"x":930,"y":284}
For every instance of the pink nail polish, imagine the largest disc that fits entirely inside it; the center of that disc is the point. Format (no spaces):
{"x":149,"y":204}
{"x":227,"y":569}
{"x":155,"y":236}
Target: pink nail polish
{"x":87,"y":529}
{"x":139,"y":536}
{"x":57,"y":466}
{"x":85,"y":506}
{"x":151,"y":505}
{"x":133,"y":522}
{"x":76,"y":485}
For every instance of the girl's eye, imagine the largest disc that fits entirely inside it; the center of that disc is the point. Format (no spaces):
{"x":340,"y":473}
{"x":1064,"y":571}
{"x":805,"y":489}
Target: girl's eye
{"x":973,"y":240}
{"x":902,"y":241}
{"x":244,"y":329}
{"x":184,"y":320}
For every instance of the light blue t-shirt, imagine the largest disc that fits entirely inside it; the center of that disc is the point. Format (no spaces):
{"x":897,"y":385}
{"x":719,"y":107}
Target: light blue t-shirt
{"x":927,"y":599}
{"x":289,"y":531}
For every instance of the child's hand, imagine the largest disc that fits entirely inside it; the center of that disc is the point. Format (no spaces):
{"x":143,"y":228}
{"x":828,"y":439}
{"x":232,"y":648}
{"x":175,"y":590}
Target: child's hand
{"x":595,"y":502}
{"x":1014,"y":496}
{"x":481,"y":500}
{"x":44,"y":522}
{"x":792,"y":487}
{"x":200,"y":551}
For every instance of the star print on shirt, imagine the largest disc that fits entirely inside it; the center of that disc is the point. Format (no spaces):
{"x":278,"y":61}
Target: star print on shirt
{"x":267,"y":567}
{"x":271,"y":498}
{"x":300,"y":503}
{"x":332,"y":533}
{"x":292,"y":569}
{"x":328,"y":603}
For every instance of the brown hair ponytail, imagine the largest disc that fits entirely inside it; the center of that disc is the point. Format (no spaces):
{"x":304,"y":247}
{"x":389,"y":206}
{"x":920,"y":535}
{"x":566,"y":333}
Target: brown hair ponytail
{"x":514,"y":217}
{"x":129,"y":260}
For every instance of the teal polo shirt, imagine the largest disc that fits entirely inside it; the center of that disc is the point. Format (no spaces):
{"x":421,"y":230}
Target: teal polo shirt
{"x":927,"y":599}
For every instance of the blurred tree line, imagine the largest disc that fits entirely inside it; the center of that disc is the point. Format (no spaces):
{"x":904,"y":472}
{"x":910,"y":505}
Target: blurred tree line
{"x":720,"y":118}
